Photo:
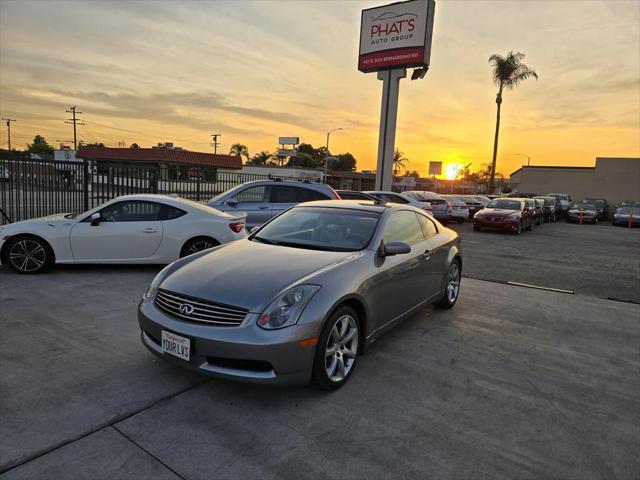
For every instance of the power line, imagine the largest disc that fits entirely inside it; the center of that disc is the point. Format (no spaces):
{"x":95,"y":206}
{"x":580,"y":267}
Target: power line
{"x":75,"y":122}
{"x":9,"y":120}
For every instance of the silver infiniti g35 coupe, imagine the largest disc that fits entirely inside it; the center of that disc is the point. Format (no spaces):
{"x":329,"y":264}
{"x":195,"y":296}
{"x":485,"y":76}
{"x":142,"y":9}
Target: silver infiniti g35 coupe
{"x":303,"y":295}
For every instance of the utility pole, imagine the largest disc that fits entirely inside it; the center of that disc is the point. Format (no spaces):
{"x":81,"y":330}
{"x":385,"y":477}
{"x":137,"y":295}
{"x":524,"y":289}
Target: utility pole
{"x":74,"y":121}
{"x":215,"y":143}
{"x":9,"y":120}
{"x":326,"y":158}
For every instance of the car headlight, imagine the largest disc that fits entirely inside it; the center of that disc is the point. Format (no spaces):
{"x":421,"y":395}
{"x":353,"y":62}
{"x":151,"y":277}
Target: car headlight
{"x":155,"y":283}
{"x":479,"y":216}
{"x":513,"y":216}
{"x":286,"y":309}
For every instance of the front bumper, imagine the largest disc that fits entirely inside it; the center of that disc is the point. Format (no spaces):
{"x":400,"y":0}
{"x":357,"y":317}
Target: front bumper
{"x":585,"y":219}
{"x":245,"y":353}
{"x":508,"y":225}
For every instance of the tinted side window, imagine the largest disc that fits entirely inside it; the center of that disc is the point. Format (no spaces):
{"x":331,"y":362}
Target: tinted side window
{"x":259,"y":194}
{"x":134,"y":211}
{"x":428,"y":227}
{"x":308,"y":195}
{"x":403,"y":226}
{"x":284,"y":194}
{"x":169,"y":213}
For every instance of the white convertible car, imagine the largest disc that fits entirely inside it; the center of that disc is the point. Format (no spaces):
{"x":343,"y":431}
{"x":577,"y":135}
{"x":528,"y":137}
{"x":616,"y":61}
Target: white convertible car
{"x":129,"y":229}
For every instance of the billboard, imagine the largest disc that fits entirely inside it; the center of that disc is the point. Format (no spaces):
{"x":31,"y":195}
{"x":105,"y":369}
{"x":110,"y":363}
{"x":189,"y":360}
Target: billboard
{"x":435,"y":168}
{"x":288,"y":140}
{"x":396,"y":35}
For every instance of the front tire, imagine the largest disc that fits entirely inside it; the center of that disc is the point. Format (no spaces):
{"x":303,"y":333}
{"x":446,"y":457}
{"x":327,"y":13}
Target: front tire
{"x":337,"y":349}
{"x":518,"y":230}
{"x":29,"y":255}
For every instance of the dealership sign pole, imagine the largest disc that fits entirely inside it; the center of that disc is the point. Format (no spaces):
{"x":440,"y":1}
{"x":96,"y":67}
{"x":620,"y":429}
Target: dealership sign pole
{"x":393,"y":38}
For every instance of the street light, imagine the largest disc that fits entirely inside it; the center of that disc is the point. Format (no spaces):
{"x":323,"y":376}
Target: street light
{"x":326,"y":158}
{"x":524,"y":155}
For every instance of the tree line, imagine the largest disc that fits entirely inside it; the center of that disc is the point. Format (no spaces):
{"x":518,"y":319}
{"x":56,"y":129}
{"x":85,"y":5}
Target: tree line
{"x":306,"y":156}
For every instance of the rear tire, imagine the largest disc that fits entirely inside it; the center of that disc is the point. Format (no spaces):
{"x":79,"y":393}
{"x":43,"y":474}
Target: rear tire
{"x":337,"y":349}
{"x":198,"y":244}
{"x":452,"y":288}
{"x":29,"y":254}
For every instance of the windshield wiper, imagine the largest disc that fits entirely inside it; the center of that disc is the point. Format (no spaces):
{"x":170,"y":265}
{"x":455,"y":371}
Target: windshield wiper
{"x":265,"y":240}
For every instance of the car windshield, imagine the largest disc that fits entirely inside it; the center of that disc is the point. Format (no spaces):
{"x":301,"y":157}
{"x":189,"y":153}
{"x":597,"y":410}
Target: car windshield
{"x":594,"y":201}
{"x":321,"y":228}
{"x":584,"y":206}
{"x":627,"y":210}
{"x":504,"y":204}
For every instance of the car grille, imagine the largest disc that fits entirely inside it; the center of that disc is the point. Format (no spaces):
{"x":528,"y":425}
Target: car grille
{"x":201,"y":311}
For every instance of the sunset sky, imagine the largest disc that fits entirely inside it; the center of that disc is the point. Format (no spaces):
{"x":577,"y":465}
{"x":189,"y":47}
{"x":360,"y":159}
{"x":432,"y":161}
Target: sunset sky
{"x":150,"y":72}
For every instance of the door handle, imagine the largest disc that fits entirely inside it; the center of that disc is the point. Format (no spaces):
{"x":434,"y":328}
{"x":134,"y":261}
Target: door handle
{"x":149,"y":230}
{"x":427,"y":254}
{"x":263,"y":207}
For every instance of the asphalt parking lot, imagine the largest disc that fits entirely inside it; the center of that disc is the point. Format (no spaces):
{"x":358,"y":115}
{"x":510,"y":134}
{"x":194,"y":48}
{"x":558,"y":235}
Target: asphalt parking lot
{"x":511,"y":383}
{"x":597,"y":260}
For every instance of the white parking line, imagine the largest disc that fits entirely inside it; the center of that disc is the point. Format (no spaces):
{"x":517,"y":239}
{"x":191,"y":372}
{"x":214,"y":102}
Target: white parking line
{"x":538,"y":287}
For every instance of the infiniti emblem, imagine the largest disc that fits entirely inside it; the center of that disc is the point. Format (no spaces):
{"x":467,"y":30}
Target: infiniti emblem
{"x":186,"y":308}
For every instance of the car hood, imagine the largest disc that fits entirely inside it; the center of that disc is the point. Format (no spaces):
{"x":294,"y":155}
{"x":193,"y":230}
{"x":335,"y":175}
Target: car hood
{"x":249,"y":274}
{"x":497,"y":212}
{"x":56,"y":220}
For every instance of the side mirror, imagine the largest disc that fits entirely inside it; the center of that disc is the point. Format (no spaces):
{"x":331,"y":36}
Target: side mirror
{"x":396,"y":248}
{"x":95,"y":219}
{"x":232,"y":202}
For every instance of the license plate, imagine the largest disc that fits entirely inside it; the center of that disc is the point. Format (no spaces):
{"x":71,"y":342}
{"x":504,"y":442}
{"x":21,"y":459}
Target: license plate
{"x":176,"y":345}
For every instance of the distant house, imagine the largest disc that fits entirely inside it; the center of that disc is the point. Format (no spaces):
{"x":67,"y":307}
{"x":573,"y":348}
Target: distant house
{"x":173,"y":163}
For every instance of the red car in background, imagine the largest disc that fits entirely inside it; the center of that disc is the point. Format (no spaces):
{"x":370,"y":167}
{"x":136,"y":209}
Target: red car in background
{"x":510,"y":214}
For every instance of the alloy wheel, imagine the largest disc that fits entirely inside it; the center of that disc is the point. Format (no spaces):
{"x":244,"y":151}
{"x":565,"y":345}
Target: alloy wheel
{"x":341,"y":349}
{"x":199,"y":246}
{"x":453,"y":283}
{"x":27,"y":255}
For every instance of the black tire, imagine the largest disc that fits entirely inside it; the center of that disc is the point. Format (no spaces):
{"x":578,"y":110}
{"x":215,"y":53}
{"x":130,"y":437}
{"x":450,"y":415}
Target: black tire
{"x":447,"y":300}
{"x":518,"y":230}
{"x":319,"y":375}
{"x":530,"y":227}
{"x":28,"y":254}
{"x":198,"y":244}
{"x":477,"y":228}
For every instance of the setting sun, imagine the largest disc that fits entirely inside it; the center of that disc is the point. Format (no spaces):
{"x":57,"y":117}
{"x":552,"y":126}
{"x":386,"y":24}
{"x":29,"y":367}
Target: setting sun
{"x":451,"y":171}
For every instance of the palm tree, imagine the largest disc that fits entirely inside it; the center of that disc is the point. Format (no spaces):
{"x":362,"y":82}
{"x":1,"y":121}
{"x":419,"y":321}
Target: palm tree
{"x":508,"y":72}
{"x":399,"y":162}
{"x":239,"y":150}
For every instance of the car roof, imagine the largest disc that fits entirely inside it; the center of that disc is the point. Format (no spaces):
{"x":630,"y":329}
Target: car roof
{"x":303,"y":183}
{"x":425,"y":193}
{"x":367,"y":205}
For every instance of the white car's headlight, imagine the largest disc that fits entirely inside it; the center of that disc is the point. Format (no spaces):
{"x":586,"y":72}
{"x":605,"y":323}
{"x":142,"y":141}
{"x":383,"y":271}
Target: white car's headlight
{"x":155,"y":283}
{"x":286,"y":309}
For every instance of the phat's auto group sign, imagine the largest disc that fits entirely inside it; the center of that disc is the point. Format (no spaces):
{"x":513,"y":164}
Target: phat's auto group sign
{"x":396,"y":35}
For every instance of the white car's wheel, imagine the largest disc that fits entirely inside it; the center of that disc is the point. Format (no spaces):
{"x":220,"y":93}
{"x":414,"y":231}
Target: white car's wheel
{"x":29,"y":254}
{"x":198,"y":244}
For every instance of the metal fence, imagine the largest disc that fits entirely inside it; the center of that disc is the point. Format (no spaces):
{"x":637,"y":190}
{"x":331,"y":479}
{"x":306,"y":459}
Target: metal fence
{"x":35,"y":188}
